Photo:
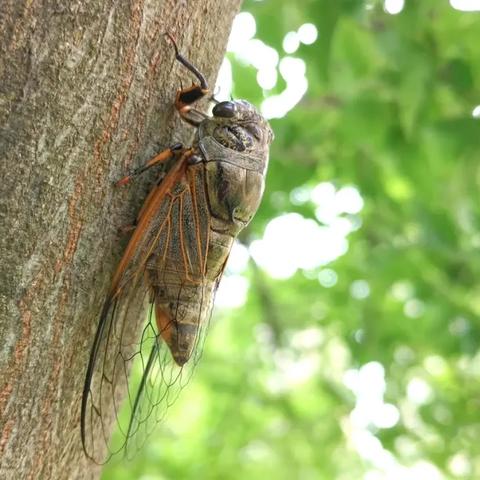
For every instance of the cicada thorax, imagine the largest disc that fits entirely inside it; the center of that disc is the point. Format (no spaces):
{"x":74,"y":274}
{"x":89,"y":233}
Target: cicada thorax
{"x":236,"y":156}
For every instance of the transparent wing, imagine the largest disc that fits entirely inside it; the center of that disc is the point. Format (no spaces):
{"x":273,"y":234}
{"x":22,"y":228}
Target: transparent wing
{"x":172,"y":236}
{"x":157,"y":386}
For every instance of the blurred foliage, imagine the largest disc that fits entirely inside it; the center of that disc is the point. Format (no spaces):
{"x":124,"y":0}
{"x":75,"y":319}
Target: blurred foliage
{"x":389,"y":111}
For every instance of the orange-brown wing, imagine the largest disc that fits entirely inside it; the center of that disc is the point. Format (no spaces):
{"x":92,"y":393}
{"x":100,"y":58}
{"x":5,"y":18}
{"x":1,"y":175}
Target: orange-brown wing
{"x":175,"y":220}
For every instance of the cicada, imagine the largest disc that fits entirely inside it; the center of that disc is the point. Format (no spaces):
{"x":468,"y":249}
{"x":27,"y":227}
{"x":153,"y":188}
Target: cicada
{"x":173,"y":264}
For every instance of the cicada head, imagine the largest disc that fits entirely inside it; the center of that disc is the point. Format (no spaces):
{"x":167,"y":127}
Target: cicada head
{"x":237,"y":125}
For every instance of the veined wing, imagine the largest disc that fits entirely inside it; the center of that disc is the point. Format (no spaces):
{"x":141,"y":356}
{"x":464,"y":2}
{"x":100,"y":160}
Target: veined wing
{"x":172,"y":239}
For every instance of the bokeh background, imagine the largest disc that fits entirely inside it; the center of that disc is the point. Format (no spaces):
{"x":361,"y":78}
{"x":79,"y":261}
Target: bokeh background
{"x":344,"y":343}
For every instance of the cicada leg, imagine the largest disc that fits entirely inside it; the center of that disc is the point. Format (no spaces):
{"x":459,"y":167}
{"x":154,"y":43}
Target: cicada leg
{"x":163,"y":156}
{"x":186,"y":97}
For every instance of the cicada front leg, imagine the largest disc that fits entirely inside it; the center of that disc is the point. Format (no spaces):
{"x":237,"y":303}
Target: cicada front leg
{"x":186,"y":97}
{"x":162,"y":157}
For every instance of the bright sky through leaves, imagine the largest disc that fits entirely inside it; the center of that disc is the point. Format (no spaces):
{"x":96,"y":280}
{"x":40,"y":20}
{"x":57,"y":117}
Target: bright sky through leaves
{"x":266,"y":60}
{"x":394,"y":6}
{"x":466,"y":5}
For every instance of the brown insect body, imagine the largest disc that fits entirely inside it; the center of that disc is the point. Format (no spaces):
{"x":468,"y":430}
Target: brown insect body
{"x":174,"y":260}
{"x":226,"y":187}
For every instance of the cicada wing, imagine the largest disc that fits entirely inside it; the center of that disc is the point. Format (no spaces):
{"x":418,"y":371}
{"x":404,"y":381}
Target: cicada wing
{"x":173,"y":231}
{"x":160,"y":381}
{"x":181,"y":277}
{"x":108,"y":371}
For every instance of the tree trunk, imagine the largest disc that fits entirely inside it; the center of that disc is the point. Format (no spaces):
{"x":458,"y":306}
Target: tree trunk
{"x":86,"y":92}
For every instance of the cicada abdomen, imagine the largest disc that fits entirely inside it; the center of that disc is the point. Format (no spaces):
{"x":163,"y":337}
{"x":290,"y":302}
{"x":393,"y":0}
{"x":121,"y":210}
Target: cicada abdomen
{"x":173,"y":264}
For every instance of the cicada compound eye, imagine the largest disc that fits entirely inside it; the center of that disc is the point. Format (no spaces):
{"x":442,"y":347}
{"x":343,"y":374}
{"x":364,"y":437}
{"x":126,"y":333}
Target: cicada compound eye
{"x":224,"y":109}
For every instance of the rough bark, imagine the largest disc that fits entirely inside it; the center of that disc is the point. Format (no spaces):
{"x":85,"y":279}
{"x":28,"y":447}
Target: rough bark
{"x":86,"y":92}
